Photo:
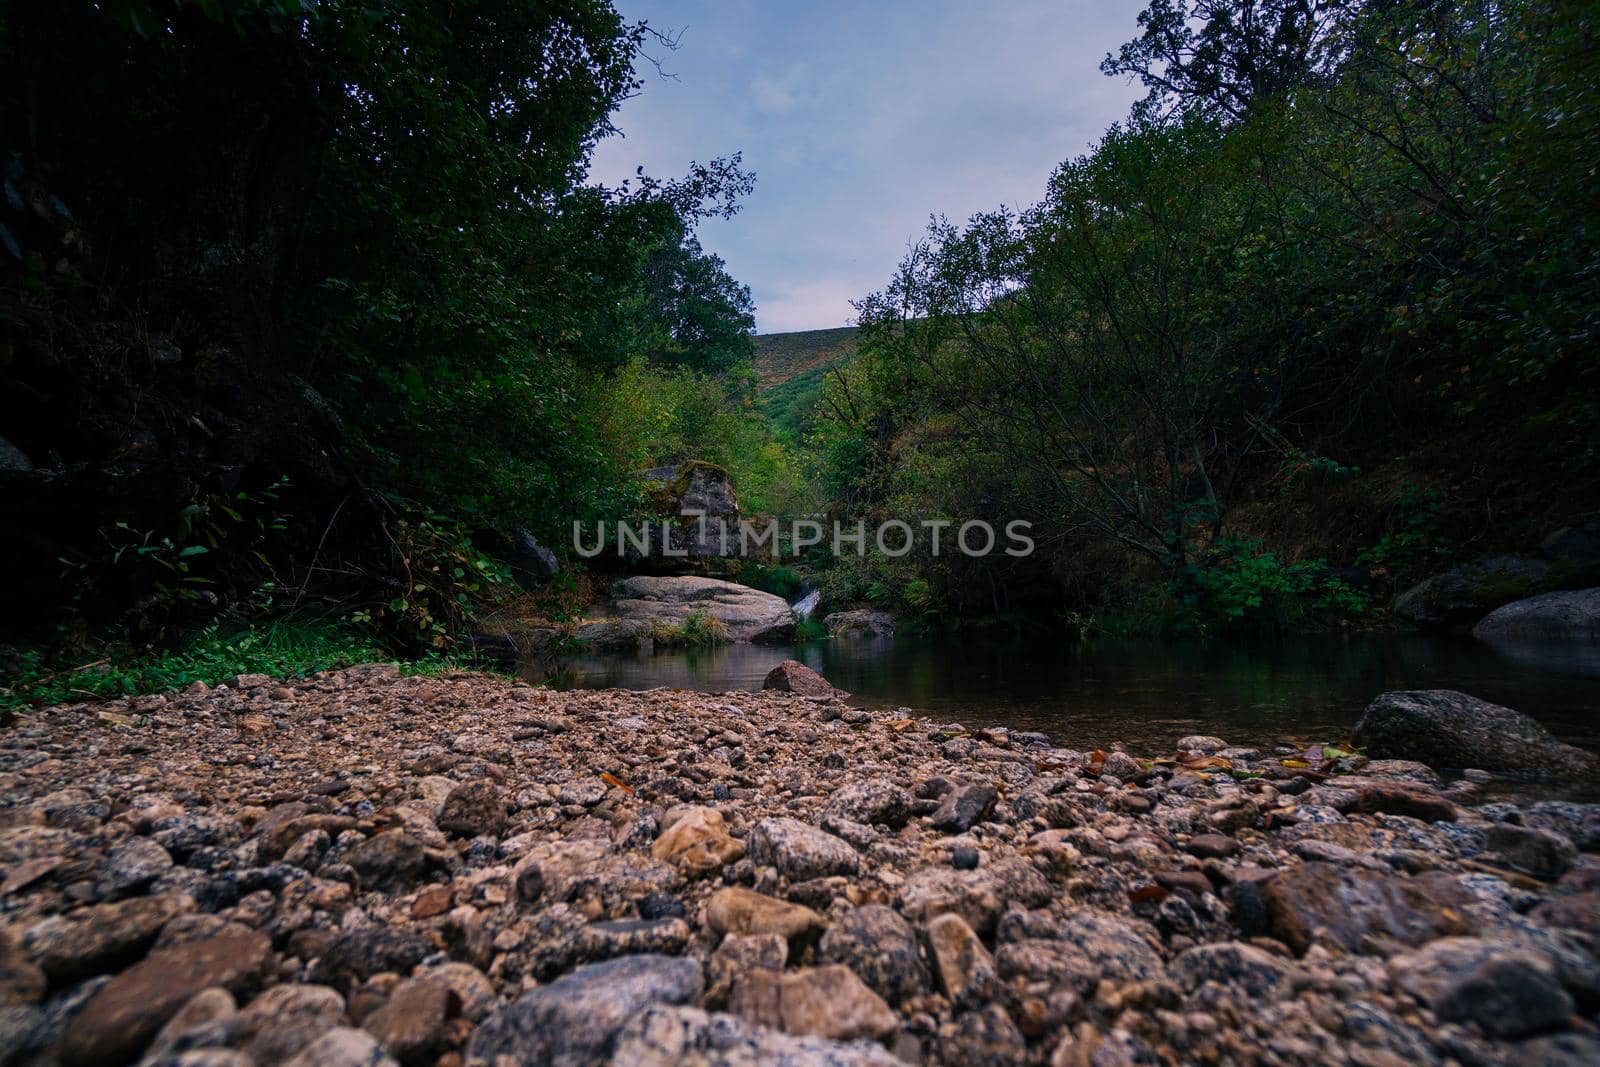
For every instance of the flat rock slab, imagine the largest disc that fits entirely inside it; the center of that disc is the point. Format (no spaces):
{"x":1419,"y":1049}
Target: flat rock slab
{"x":118,"y":1020}
{"x":640,"y":601}
{"x":1345,"y":905}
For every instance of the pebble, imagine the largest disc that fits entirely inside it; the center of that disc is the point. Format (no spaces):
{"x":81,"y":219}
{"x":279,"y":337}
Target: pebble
{"x":463,"y":870}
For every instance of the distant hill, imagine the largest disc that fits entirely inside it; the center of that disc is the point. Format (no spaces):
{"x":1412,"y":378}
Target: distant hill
{"x":781,"y":356}
{"x":790,"y":368}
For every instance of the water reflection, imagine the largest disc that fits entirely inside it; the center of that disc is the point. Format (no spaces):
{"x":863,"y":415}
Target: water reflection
{"x":1147,"y":694}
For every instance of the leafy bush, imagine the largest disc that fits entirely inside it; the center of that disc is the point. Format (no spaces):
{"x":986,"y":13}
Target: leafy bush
{"x":776,"y":578}
{"x":1239,"y":585}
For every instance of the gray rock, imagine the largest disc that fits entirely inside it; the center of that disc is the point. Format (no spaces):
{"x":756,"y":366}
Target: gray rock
{"x":1509,"y":995}
{"x":99,"y":939}
{"x":1344,"y":904}
{"x":574,"y":1020}
{"x":285,"y":1019}
{"x":749,"y":614}
{"x":873,"y":801}
{"x":1541,"y":853}
{"x":410,"y":1024}
{"x":1462,"y":595}
{"x":1571,"y":1049}
{"x":13,"y":460}
{"x":881,"y":947}
{"x":474,"y":809}
{"x":209,"y":1020}
{"x":966,"y":970}
{"x":865,"y":622}
{"x":131,"y":867}
{"x":183,"y":834}
{"x":1577,"y":544}
{"x":670,"y":1036}
{"x":963,"y":807}
{"x":799,"y":850}
{"x":392,"y":861}
{"x":367,"y":950}
{"x":1573,"y":615}
{"x":628,"y":937}
{"x":532,"y":565}
{"x":1444,"y":728}
{"x":343,"y":1047}
{"x":985,"y":1037}
{"x":1257,"y":973}
{"x":125,"y":1014}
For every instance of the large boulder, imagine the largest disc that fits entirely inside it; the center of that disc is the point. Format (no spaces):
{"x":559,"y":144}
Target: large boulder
{"x":698,"y":499}
{"x":1462,"y":595}
{"x":1575,"y":544}
{"x":1443,"y":728}
{"x":641,"y":603}
{"x":1573,"y":615}
{"x":532,"y":564}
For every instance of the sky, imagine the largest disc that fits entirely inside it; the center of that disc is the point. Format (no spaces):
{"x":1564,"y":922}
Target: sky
{"x":861,"y":120}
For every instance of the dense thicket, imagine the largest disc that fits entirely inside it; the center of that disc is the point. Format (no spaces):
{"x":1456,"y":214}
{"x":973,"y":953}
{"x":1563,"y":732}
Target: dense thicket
{"x":298,"y":296}
{"x":1321,"y":309}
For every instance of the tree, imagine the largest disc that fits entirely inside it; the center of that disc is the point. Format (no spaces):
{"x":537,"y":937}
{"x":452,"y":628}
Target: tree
{"x":1220,"y":56}
{"x":696,"y":315}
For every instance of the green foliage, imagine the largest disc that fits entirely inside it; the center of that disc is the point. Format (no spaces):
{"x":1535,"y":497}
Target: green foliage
{"x":789,"y":405}
{"x":357,"y":243}
{"x":809,"y":629}
{"x":446,"y":577}
{"x":288,"y":647}
{"x":1413,"y":545}
{"x":1332,"y":233}
{"x":1239,"y":585}
{"x":699,"y":316}
{"x":776,"y":578}
{"x":780,"y":357}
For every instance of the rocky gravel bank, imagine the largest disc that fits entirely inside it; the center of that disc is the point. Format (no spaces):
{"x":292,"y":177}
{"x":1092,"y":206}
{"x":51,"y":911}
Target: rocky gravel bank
{"x":365,"y":869}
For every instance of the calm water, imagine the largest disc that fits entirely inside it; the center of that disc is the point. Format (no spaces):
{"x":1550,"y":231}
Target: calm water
{"x":1147,"y":694}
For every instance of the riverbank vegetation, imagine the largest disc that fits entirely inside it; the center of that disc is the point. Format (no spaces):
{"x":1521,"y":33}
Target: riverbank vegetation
{"x":308,"y":307}
{"x":1318,"y":315}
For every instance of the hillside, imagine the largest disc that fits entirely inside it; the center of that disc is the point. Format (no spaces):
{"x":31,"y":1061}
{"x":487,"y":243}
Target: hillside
{"x":790,"y":368}
{"x":782,"y":356}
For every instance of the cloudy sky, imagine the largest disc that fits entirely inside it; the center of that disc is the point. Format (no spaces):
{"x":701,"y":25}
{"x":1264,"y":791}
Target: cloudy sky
{"x":861,"y":119}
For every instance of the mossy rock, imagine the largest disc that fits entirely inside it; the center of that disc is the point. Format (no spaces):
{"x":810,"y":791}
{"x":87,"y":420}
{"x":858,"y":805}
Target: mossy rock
{"x":1462,"y":595}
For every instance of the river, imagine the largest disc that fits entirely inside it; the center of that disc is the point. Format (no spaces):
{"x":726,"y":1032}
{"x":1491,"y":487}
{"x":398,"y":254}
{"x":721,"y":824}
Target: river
{"x":1144,"y":693}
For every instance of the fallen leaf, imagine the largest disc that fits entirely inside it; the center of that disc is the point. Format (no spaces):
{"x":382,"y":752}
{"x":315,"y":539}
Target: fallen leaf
{"x":616,"y":783}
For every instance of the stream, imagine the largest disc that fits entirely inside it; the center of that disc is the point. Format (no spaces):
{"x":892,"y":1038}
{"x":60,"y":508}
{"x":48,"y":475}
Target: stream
{"x":1146,"y":694}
